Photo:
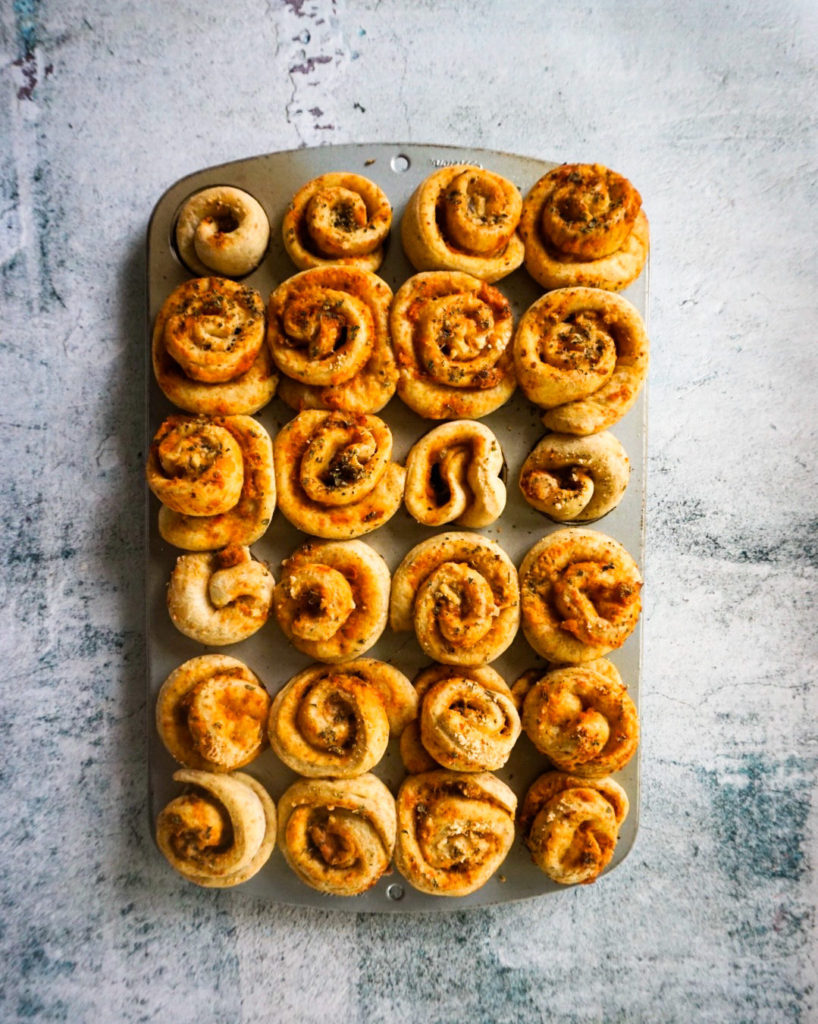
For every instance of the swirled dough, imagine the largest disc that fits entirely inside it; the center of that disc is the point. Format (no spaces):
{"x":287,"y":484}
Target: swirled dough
{"x":211,"y":713}
{"x":220,"y":833}
{"x":223,"y":229}
{"x":452,"y":334}
{"x":581,"y":354}
{"x":459,"y":592}
{"x":220,"y":597}
{"x":328,"y":332}
{"x":336,"y":720}
{"x":334,"y":474}
{"x":583,"y":224}
{"x":454,"y":830}
{"x":215,"y":480}
{"x":583,"y":719}
{"x":337,"y":218}
{"x":575,"y":479}
{"x":208,"y":348}
{"x":580,"y":595}
{"x":332,"y":599}
{"x":338,"y":835}
{"x":570,"y":825}
{"x":464,"y":218}
{"x":455,"y":474}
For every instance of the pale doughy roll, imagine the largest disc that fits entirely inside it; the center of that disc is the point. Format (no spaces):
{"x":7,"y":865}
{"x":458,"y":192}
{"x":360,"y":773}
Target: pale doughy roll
{"x":211,"y":713}
{"x":580,"y":595}
{"x":328,"y":331}
{"x":332,"y":599}
{"x":581,"y":354}
{"x":334,"y":474}
{"x":337,"y":218}
{"x":454,"y":830}
{"x":335,"y":721}
{"x":459,"y":593}
{"x":215,"y":480}
{"x":464,"y":218}
{"x":338,"y":835}
{"x":570,"y":825}
{"x":583,"y":224}
{"x":221,"y":832}
{"x":454,"y":474}
{"x":223,"y":229}
{"x":583,"y":719}
{"x":575,"y":479}
{"x":220,"y":597}
{"x":452,"y":334}
{"x":208,"y":348}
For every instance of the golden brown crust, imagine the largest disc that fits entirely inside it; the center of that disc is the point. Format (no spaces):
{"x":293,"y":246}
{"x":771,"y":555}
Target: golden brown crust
{"x":338,"y":834}
{"x":334,"y":474}
{"x":215,"y":479}
{"x":328,"y":332}
{"x":332,"y":599}
{"x":337,"y":218}
{"x":459,"y":592}
{"x":575,"y":479}
{"x":222,"y":229}
{"x":579,"y":595}
{"x":464,"y":218}
{"x":582,"y":354}
{"x":452,"y":334}
{"x":454,"y":830}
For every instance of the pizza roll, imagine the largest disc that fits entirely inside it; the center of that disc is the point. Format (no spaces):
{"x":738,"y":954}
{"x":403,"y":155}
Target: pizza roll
{"x":452,"y":335}
{"x":583,"y":224}
{"x":338,"y":835}
{"x":454,"y":830}
{"x":334,"y":474}
{"x":582,"y":355}
{"x":580,"y":595}
{"x":221,"y":832}
{"x":570,"y":825}
{"x":222,"y":229}
{"x":215,"y":480}
{"x":328,"y":332}
{"x":332,"y":599}
{"x":464,"y":218}
{"x":455,"y":474}
{"x":208,"y":348}
{"x":337,"y":218}
{"x":459,"y":592}
{"x":336,"y":720}
{"x":575,"y":479}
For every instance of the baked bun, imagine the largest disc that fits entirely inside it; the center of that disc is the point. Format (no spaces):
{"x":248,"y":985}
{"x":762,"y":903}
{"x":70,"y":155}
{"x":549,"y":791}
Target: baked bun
{"x":222,"y":229}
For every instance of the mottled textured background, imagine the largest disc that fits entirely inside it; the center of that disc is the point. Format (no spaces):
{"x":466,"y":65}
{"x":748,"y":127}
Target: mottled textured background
{"x":710,"y":109}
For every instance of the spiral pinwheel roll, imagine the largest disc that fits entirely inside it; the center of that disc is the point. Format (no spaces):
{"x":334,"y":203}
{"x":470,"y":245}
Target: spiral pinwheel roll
{"x":454,"y":830}
{"x":337,"y":218}
{"x":464,"y":218}
{"x":455,"y":474}
{"x":338,"y":835}
{"x":221,"y":832}
{"x":208,"y":348}
{"x":575,"y":479}
{"x":580,"y":595}
{"x":451,"y":334}
{"x":459,"y":592}
{"x":583,"y":719}
{"x":334,"y":475}
{"x":211,"y":713}
{"x":583,"y":224}
{"x":570,"y":825}
{"x":215,"y":480}
{"x":581,"y":354}
{"x":335,"y":721}
{"x":332,"y":600}
{"x":223,"y":229}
